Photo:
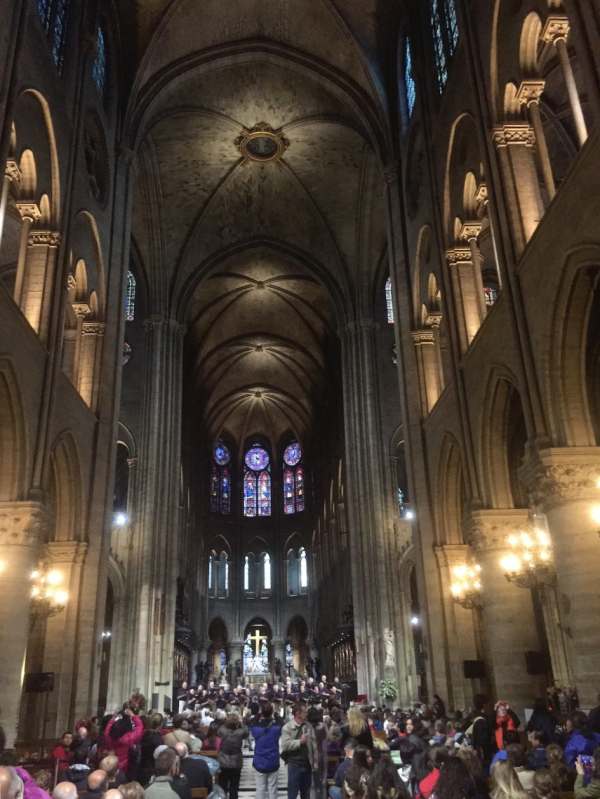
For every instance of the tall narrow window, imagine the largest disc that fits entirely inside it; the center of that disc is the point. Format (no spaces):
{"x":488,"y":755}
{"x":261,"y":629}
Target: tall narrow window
{"x":99,"y":65}
{"x":444,"y":30}
{"x":222,"y":575}
{"x":257,"y":482}
{"x":130,"y":298}
{"x":211,"y":574}
{"x":303,"y":569}
{"x":53,"y":15}
{"x":293,"y":479}
{"x":410,"y":86}
{"x":246,"y":573}
{"x":389,"y":304}
{"x":220,"y":480}
{"x":266,"y":572}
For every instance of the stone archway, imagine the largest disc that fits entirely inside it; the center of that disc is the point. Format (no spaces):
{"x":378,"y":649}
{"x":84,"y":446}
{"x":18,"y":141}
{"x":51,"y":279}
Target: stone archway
{"x":297,"y":638}
{"x":256,"y":661}
{"x":217,"y":652}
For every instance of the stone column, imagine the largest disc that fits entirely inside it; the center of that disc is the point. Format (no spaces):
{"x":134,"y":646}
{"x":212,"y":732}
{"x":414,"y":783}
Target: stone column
{"x":22,"y":531}
{"x":529,"y":95}
{"x":564,"y":484}
{"x":12,"y":174}
{"x":36,"y":273}
{"x":460,"y":626}
{"x":556,"y":32}
{"x":89,"y":362}
{"x":156,"y":535}
{"x":515,"y":143}
{"x":428,"y":366}
{"x":370,"y":528}
{"x":509,"y":625}
{"x":468,"y":293}
{"x":469,"y":233}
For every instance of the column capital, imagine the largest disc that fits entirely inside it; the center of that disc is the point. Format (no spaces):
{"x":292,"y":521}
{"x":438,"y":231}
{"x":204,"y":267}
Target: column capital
{"x":470,"y":230}
{"x":530,"y":91}
{"x":43,"y":238}
{"x":557,"y":476}
{"x":29,"y":211}
{"x":555,"y":28}
{"x":513,"y":133}
{"x":93,"y":328}
{"x":488,"y":530}
{"x":449,"y":555}
{"x":67,"y":552}
{"x":458,"y":255}
{"x":81,"y":309}
{"x":22,"y":523}
{"x":424,"y":335}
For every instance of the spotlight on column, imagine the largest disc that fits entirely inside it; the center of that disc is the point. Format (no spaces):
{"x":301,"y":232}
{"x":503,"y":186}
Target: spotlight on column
{"x":409,"y":515}
{"x":415,"y":621}
{"x":120,"y":519}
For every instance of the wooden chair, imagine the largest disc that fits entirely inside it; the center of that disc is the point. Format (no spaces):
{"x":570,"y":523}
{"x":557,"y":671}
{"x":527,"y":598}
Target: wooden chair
{"x":199,"y":793}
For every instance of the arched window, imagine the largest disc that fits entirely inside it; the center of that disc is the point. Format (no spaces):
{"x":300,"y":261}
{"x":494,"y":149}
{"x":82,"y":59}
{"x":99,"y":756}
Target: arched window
{"x":222,"y":576}
{"x":249,"y":573}
{"x":257,"y":482}
{"x":444,"y":29}
{"x":410,"y":86}
{"x":54,"y":18}
{"x":211,"y":573}
{"x":389,"y":305}
{"x":99,"y":65}
{"x":297,"y":572}
{"x":266,"y":568}
{"x":220,"y":480}
{"x":293,"y":479}
{"x":130,"y":297}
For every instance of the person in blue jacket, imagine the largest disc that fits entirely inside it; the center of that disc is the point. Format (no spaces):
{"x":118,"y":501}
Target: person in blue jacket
{"x":581,"y":740}
{"x":266,"y":731}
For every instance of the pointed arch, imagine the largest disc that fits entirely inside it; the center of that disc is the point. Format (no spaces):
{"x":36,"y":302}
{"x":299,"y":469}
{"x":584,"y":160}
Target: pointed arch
{"x":13,"y":438}
{"x":65,"y":481}
{"x":453,"y":492}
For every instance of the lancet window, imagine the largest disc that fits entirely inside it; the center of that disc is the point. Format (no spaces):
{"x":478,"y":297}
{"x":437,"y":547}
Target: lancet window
{"x":220,"y":479}
{"x":293,"y":479}
{"x":257,"y":482}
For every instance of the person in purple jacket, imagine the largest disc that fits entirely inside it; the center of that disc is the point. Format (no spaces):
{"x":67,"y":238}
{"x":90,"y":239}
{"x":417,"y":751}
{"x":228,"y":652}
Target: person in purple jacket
{"x":581,"y":740}
{"x":266,"y":732}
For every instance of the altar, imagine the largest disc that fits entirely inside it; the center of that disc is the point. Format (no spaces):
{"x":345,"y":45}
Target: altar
{"x":256,"y":660}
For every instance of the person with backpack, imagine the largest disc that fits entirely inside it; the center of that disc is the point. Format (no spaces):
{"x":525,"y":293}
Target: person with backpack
{"x":266,"y":733}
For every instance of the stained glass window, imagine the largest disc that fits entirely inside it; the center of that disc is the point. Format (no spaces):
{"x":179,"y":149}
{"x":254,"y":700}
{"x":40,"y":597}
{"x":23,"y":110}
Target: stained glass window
{"x":257,"y":482}
{"x":99,"y":65}
{"x":444,"y":29}
{"x":293,"y":479}
{"x":389,"y":305}
{"x":53,"y":15}
{"x":410,"y":86}
{"x":220,"y":480}
{"x":130,"y":298}
{"x":211,"y":576}
{"x":490,"y":295}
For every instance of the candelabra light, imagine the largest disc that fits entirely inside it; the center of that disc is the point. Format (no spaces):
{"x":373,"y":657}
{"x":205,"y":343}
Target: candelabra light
{"x":48,"y":596}
{"x":466,"y":585}
{"x":530,"y":560}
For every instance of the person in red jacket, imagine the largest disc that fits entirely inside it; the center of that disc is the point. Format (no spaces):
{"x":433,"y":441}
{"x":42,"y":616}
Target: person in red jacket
{"x":122,"y":732}
{"x":62,"y":752}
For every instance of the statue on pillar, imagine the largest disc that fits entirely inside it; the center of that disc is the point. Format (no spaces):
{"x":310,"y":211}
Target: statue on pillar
{"x":390,"y":654}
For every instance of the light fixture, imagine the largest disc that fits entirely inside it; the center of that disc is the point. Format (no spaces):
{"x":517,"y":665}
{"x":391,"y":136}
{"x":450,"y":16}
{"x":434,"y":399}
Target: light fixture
{"x":415,"y":621}
{"x":466,"y":585}
{"x":410,"y":515}
{"x":595,"y":514}
{"x":529,"y":561}
{"x":105,"y":634}
{"x":48,"y":597}
{"x":120,"y":519}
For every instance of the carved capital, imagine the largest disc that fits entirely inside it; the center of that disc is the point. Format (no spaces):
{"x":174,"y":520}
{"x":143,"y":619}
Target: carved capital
{"x":43,"y":238}
{"x":434,"y":319}
{"x":71,"y":283}
{"x":12,"y":171}
{"x":481,"y":196}
{"x":488,"y":530}
{"x":22,"y":524}
{"x":458,"y":255}
{"x":530,"y":91}
{"x":470,"y":230}
{"x":29,"y":212}
{"x":556,"y":27}
{"x":559,"y":476}
{"x":514,"y":133}
{"x":81,"y":309}
{"x":423,"y":336}
{"x":93,"y":328}
{"x":68,"y":553}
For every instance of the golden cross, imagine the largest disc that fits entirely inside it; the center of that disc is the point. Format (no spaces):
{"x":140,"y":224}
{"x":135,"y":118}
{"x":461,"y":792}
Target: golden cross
{"x":257,"y":638}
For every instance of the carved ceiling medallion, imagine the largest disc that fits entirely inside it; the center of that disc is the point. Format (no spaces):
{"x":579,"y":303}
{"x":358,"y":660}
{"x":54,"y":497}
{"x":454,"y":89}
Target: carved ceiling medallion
{"x":262,"y":143}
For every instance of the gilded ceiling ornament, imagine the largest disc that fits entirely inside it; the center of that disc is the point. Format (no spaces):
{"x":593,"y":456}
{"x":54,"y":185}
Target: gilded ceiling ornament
{"x":262,"y":143}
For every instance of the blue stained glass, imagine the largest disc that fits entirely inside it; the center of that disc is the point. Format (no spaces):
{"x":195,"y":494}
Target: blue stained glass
{"x":58,"y":33}
{"x":43,"y":9}
{"x":130,"y":298}
{"x":292,"y":454}
{"x":410,"y":88}
{"x":99,"y":65}
{"x":389,"y":305}
{"x":439,"y":50}
{"x":250,"y":494}
{"x":214,"y":490}
{"x":257,"y":459}
{"x":452,"y":25}
{"x":264,"y":493}
{"x":288,"y":491}
{"x":299,"y":489}
{"x":221,"y":454}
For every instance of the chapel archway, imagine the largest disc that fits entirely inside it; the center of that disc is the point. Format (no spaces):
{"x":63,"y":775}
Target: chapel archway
{"x":256,"y":661}
{"x":297,"y":650}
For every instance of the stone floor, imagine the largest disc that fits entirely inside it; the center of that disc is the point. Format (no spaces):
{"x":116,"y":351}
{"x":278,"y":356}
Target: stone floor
{"x":247,"y":784}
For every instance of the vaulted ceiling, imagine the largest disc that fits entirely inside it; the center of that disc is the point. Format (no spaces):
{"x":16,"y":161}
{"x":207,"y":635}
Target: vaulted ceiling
{"x":264,"y":261}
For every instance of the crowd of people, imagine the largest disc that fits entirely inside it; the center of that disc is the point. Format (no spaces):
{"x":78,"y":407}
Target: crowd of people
{"x":330,"y":750}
